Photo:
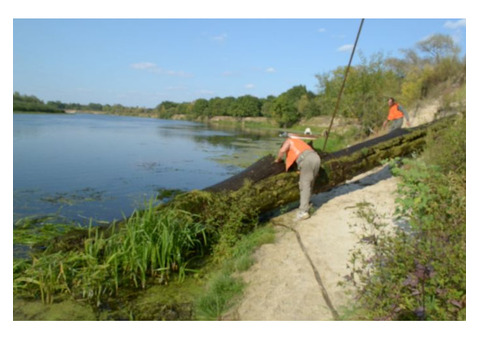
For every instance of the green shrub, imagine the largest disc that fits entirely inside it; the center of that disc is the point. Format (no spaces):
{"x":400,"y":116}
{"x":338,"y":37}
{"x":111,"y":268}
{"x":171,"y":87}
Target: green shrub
{"x":418,"y":272}
{"x":448,"y":148}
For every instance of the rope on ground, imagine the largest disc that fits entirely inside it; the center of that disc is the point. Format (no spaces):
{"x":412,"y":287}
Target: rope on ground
{"x":325,"y":295}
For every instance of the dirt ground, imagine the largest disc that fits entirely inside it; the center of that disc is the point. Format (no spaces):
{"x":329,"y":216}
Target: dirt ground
{"x":296,"y":278}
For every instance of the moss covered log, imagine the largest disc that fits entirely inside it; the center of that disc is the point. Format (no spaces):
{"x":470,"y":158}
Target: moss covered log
{"x":270,"y":187}
{"x":232,"y":207}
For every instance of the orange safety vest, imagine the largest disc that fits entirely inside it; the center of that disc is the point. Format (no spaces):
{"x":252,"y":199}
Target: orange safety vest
{"x":394,"y":112}
{"x":297,"y":146}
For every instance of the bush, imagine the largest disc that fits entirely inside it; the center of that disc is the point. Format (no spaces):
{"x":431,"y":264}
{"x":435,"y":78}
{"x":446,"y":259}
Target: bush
{"x":419,"y":271}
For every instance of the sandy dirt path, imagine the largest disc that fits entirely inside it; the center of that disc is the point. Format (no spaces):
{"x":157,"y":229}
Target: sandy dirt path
{"x":296,"y":278}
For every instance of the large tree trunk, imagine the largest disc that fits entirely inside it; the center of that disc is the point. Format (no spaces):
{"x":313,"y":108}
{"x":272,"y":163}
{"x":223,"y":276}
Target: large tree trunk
{"x":265,"y":185}
{"x":273,"y":187}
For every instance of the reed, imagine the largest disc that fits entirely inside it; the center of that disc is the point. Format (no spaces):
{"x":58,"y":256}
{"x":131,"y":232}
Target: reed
{"x":156,"y":243}
{"x":153,"y":244}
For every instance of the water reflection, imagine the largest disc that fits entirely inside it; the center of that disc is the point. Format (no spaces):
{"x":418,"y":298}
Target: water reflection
{"x":96,"y":166}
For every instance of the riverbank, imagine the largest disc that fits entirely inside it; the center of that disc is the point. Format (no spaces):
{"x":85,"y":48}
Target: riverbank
{"x":297,"y":277}
{"x":291,"y":233}
{"x":317,"y":124}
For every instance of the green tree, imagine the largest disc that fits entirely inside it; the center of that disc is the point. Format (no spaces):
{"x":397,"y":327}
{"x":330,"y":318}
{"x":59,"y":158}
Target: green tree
{"x":248,"y":106}
{"x":200,"y":108}
{"x":438,"y":46}
{"x":96,"y":107}
{"x":285,"y":107}
{"x":441,"y":64}
{"x":217,"y":106}
{"x":229,"y":104}
{"x":166,"y":109}
{"x":56,"y":104}
{"x":308,"y":106}
{"x":185,"y":108}
{"x":267,"y":106}
{"x":329,"y":85}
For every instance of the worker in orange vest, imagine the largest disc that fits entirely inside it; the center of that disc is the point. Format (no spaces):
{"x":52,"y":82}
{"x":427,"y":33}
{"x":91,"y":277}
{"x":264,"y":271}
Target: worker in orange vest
{"x":308,"y":163}
{"x":395,"y":115}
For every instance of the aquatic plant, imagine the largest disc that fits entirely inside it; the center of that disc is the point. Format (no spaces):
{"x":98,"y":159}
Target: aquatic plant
{"x":152,"y":244}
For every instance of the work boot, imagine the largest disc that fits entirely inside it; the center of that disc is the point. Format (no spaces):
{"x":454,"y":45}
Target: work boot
{"x":302,"y":215}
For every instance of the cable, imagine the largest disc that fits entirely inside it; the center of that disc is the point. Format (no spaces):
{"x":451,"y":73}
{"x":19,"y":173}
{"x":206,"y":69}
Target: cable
{"x":326,"y":297}
{"x":343,"y":85}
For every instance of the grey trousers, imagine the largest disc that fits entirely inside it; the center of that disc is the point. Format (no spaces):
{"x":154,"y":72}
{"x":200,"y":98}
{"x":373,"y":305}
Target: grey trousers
{"x":396,"y":124}
{"x":309,"y":165}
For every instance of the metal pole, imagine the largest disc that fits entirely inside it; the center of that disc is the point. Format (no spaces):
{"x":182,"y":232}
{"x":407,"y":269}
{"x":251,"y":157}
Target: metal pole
{"x":343,"y":85}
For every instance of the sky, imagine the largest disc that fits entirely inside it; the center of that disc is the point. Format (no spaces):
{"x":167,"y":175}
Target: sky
{"x":142,"y":62}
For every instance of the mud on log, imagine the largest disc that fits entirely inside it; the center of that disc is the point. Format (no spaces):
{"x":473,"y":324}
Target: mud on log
{"x":272,"y":187}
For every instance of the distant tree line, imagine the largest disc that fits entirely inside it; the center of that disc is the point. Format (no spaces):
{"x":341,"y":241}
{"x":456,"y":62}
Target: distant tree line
{"x":286,"y":109}
{"x":28,"y":103}
{"x":421,"y":71}
{"x":33,"y":104}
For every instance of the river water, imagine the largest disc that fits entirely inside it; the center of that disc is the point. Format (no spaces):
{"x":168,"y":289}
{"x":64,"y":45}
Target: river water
{"x":84,"y":167}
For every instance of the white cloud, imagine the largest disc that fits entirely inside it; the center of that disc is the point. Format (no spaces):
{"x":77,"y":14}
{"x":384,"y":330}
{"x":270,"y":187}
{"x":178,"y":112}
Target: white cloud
{"x":345,"y":48}
{"x":154,"y":68}
{"x":220,"y":38}
{"x":455,"y":24}
{"x":249,"y":86}
{"x":144,"y":66}
{"x":321,"y":30}
{"x":270,"y":70}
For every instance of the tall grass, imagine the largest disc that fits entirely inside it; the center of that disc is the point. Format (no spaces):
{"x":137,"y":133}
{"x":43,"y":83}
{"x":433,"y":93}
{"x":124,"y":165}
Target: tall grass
{"x":152,"y":244}
{"x":155,"y":244}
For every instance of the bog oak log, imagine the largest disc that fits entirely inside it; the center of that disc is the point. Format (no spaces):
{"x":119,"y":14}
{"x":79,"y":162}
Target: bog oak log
{"x":265,"y":186}
{"x":272,"y":187}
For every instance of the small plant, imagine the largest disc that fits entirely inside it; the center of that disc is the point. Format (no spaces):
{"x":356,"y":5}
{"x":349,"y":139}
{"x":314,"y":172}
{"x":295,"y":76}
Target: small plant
{"x":225,"y":287}
{"x":221,"y":294}
{"x":418,"y":272}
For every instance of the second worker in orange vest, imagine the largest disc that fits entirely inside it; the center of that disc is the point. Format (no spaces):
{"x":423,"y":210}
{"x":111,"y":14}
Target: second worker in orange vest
{"x":395,"y":115}
{"x":308,"y":162}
